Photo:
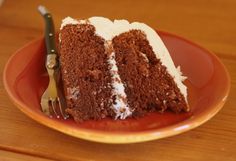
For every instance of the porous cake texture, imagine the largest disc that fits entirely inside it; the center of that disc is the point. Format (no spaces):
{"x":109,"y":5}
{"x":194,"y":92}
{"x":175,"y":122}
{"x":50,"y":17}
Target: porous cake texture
{"x":117,"y":69}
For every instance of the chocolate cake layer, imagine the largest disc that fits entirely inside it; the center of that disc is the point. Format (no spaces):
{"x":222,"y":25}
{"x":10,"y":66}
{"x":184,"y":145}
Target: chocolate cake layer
{"x":147,"y":84}
{"x":85,"y":73}
{"x":117,"y":69}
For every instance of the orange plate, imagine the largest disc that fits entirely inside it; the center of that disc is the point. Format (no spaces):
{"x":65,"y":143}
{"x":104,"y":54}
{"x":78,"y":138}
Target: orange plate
{"x":208,"y":84}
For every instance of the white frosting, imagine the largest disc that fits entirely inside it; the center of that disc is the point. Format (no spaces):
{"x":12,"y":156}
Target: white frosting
{"x":120,"y":106}
{"x":144,"y":56}
{"x":67,"y":21}
{"x":73,"y":93}
{"x":107,"y":30}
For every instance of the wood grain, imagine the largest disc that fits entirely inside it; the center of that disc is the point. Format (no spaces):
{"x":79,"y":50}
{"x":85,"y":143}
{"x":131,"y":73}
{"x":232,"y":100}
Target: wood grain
{"x":11,"y":156}
{"x":210,"y":23}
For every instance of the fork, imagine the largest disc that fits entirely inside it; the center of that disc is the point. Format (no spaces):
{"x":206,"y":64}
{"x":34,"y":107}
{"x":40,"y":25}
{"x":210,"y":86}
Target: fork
{"x":52,"y":101}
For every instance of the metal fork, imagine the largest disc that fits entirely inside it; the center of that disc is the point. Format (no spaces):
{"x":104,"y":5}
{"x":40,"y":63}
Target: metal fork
{"x":52,"y":100}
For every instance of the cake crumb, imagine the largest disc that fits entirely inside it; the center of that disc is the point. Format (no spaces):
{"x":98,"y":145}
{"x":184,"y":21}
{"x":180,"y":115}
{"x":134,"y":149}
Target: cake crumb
{"x":73,"y":93}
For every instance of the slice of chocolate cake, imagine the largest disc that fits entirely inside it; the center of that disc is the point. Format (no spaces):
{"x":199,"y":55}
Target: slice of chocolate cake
{"x":117,"y":69}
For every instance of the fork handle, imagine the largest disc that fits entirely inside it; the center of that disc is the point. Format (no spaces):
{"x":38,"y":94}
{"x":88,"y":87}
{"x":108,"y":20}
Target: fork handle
{"x":49,"y":30}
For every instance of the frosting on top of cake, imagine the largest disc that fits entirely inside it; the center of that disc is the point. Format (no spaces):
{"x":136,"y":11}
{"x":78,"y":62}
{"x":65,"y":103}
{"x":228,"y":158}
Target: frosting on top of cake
{"x":108,"y":29}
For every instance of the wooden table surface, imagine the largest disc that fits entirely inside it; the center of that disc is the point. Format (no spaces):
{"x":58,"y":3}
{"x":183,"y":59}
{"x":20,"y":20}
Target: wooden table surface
{"x":211,"y":23}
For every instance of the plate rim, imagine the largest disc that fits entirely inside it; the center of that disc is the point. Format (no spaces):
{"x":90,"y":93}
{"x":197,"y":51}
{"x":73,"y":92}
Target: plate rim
{"x":123,"y":137}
